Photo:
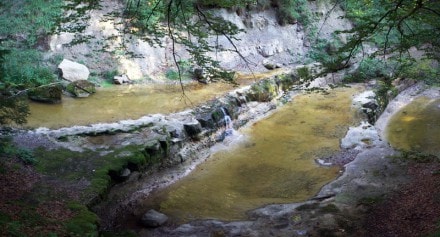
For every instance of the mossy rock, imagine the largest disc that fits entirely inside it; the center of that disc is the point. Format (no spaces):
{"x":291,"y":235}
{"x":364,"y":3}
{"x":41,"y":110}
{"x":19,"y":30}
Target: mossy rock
{"x":286,"y":81}
{"x":81,"y":88}
{"x":263,"y":91}
{"x":46,"y":94}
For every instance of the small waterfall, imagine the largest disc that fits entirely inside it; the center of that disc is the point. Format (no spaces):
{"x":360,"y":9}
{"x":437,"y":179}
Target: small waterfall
{"x":229,"y":129}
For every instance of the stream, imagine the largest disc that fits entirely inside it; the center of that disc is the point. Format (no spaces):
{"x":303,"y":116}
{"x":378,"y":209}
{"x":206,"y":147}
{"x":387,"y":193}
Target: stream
{"x":117,"y":103}
{"x":271,"y":161}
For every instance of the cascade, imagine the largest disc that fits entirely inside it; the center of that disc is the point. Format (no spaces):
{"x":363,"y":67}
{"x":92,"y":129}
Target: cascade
{"x":229,"y":129}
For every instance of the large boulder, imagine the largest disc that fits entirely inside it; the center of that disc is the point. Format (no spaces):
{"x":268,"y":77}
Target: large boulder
{"x":81,"y":88}
{"x":73,"y":71}
{"x":153,"y":218}
{"x":46,"y":94}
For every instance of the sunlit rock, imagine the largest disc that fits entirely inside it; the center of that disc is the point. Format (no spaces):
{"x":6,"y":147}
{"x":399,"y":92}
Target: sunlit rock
{"x":73,"y":71}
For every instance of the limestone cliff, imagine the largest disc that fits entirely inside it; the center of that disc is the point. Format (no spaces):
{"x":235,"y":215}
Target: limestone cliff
{"x":108,"y":48}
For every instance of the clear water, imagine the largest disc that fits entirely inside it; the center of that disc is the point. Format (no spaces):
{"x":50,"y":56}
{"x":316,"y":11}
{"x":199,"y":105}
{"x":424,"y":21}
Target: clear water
{"x":129,"y":102}
{"x":416,"y":126}
{"x":272,"y":162}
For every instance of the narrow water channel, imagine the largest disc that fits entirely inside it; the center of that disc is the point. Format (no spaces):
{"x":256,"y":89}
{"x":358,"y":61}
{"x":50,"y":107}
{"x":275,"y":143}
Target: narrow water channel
{"x":416,"y":126}
{"x":272,"y":162}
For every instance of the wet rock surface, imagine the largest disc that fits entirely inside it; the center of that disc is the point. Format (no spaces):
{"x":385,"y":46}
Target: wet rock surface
{"x":341,"y":207}
{"x":336,"y":209}
{"x":153,"y":218}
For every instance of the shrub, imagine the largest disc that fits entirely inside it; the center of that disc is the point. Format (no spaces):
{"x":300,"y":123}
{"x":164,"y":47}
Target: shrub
{"x":291,"y":11}
{"x":368,"y":68}
{"x":24,"y":67}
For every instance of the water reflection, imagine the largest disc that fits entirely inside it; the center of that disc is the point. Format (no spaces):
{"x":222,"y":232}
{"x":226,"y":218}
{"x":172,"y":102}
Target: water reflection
{"x":129,"y":102}
{"x":273,"y":163}
{"x":416,"y":126}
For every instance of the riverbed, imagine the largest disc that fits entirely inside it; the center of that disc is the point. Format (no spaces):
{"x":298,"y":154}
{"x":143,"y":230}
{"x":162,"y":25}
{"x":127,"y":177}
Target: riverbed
{"x":271,"y":161}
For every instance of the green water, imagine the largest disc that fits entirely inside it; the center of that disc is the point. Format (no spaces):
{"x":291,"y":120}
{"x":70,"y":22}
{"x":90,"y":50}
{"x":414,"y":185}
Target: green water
{"x":273,"y":162}
{"x":129,"y":102}
{"x":416,"y":126}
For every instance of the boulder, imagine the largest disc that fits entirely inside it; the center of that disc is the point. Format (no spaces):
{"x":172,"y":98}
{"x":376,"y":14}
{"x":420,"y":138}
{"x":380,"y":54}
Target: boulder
{"x":125,"y":173}
{"x":206,"y":121}
{"x":81,"y":88}
{"x":73,"y":71}
{"x":119,"y":80}
{"x":201,"y":75}
{"x":193,"y":129}
{"x":46,"y":94}
{"x":271,"y":65}
{"x":371,"y":110}
{"x":153,"y":218}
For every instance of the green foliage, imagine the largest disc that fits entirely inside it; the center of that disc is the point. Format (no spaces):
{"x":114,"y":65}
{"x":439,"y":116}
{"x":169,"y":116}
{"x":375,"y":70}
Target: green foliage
{"x":84,"y":223}
{"x":263,"y":91}
{"x":185,"y":71}
{"x":172,"y":74}
{"x":7,"y":149}
{"x":13,"y":108}
{"x":291,"y":11}
{"x":188,"y":23}
{"x":24,"y":67}
{"x":369,"y":68}
{"x":26,"y":156}
{"x":394,"y":28}
{"x":327,"y":52}
{"x":424,"y":69}
{"x":109,"y":75}
{"x":304,"y":74}
{"x":384,"y":91}
{"x":28,"y":22}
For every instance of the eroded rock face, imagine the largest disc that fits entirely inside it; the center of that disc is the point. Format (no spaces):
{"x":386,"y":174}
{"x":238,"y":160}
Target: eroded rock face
{"x":73,"y":71}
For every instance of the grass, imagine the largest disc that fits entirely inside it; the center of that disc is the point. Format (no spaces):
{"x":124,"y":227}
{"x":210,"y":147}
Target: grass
{"x":84,"y":222}
{"x":70,"y":166}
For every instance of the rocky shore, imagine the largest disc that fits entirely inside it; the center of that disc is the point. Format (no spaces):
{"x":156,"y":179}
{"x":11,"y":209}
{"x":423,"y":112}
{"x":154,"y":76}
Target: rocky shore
{"x":342,"y":207}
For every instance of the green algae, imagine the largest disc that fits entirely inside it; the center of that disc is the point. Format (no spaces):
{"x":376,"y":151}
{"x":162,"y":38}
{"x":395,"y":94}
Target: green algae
{"x":273,"y":164}
{"x":72,"y":167}
{"x":416,"y":127}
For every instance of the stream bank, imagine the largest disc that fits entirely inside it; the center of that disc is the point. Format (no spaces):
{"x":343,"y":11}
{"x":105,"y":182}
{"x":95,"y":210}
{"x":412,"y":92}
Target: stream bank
{"x":346,"y":206}
{"x":314,"y":217}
